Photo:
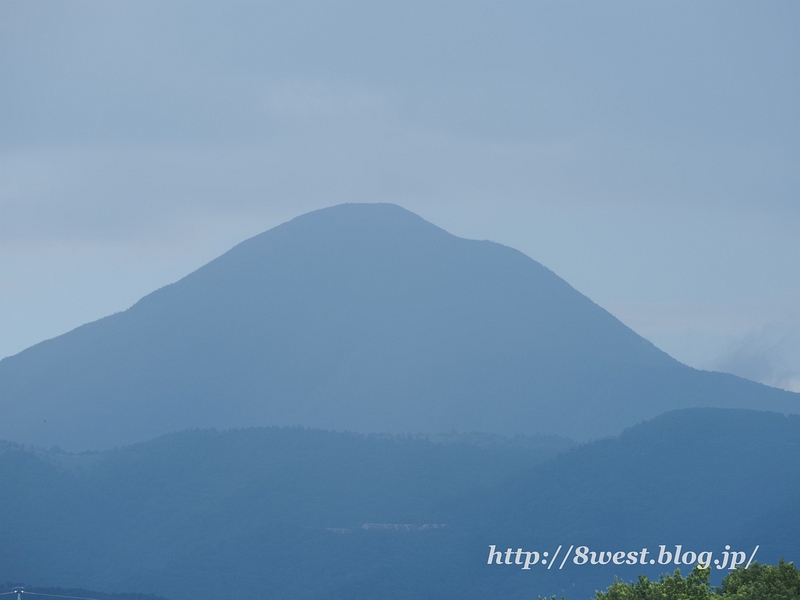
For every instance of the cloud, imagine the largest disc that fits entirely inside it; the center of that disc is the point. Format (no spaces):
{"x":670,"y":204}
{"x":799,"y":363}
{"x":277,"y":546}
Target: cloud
{"x":770,"y":355}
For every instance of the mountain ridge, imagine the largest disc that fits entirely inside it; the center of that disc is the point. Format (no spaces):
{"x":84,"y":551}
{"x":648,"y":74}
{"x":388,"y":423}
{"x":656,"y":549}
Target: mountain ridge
{"x":302,"y":513}
{"x":362,"y":317}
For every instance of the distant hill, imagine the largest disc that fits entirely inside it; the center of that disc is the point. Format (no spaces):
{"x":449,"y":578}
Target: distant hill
{"x":363,"y":318}
{"x":38,"y":593}
{"x":249,"y":513}
{"x":701,"y":478}
{"x":302,"y":514}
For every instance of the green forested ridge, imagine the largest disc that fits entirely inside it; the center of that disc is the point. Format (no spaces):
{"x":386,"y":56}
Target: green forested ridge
{"x":281,"y":512}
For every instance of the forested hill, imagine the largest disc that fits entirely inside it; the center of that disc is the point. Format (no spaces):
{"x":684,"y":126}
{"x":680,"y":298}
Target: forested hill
{"x":189,"y":514}
{"x":356,"y":317}
{"x":307,"y":514}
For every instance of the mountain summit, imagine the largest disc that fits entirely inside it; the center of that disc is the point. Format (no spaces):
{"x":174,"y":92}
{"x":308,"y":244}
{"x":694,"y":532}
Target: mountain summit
{"x":357,"y":317}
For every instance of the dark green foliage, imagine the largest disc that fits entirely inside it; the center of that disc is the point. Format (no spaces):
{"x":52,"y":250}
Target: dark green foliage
{"x":694,"y":586}
{"x":763,"y":582}
{"x":758,"y":582}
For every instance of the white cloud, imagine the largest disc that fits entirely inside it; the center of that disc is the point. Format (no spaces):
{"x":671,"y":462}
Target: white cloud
{"x":770,"y":355}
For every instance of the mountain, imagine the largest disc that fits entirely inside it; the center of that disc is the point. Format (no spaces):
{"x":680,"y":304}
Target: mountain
{"x":703,"y":479}
{"x":266,"y":512}
{"x":363,"y":318}
{"x":308,"y":514}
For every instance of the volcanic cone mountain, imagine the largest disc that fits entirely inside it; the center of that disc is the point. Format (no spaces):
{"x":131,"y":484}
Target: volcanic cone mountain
{"x":356,"y":317}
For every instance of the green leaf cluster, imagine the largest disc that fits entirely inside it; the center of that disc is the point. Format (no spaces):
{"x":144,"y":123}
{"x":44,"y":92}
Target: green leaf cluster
{"x":759,"y":582}
{"x":769,"y":582}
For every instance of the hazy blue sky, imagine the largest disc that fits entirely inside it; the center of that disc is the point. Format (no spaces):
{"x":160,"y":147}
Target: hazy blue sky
{"x":647,"y":152}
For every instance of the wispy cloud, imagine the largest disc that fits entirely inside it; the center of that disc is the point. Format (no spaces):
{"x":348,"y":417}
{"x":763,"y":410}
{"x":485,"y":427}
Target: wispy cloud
{"x":770,"y":355}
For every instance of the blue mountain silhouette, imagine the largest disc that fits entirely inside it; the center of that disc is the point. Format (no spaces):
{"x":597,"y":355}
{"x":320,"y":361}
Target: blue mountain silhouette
{"x":359,"y":317}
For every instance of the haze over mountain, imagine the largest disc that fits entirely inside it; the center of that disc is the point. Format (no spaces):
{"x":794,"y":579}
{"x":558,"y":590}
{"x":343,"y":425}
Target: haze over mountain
{"x":356,"y":317}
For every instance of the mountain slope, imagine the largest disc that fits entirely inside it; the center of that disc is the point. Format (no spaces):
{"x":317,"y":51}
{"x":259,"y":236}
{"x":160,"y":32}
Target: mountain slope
{"x":699,"y":478}
{"x":359,"y":317}
{"x":282,"y":512}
